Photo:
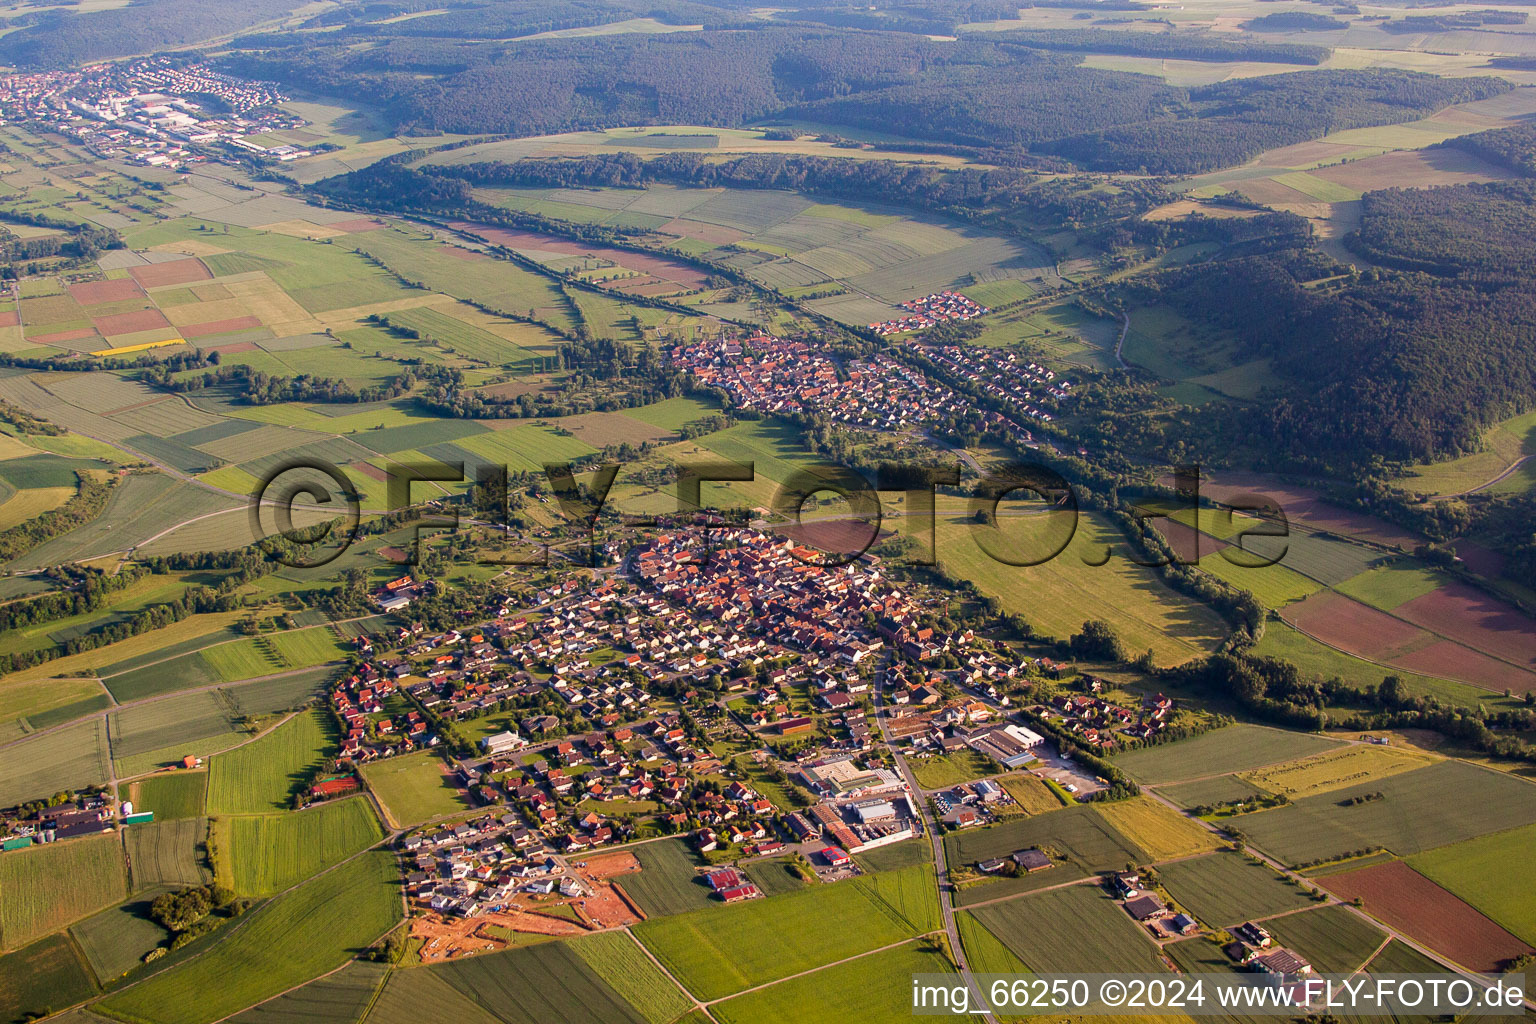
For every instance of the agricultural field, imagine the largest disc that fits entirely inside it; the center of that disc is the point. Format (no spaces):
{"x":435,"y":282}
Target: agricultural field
{"x":538,"y":983}
{"x":414,"y":787}
{"x":44,"y":976}
{"x":263,"y":775}
{"x":1219,"y":752}
{"x":1153,"y":826}
{"x":669,"y":881}
{"x":423,"y":997}
{"x":618,"y":960}
{"x":703,"y":948}
{"x":1334,"y":939}
{"x":1055,"y":598}
{"x":167,"y":853}
{"x":1419,"y":810}
{"x":896,"y":856}
{"x":114,"y":941}
{"x":1030,"y":794}
{"x":1078,"y":928}
{"x":1227,"y":889}
{"x":1343,"y":766}
{"x":175,"y":795}
{"x":1219,"y":789}
{"x":30,"y":704}
{"x":776,"y":876}
{"x":946,"y":770}
{"x":1478,"y":871}
{"x":266,"y":853}
{"x":874,"y":987}
{"x":74,"y":756}
{"x":339,"y":998}
{"x":1079,"y":833}
{"x":1401,"y":898}
{"x":178,"y":719}
{"x":284,"y":943}
{"x":48,"y":887}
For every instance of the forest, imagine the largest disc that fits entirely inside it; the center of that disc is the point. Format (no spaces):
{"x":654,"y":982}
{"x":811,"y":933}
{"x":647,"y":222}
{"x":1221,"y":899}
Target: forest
{"x":1393,"y":364}
{"x":998,"y":92}
{"x":61,"y":39}
{"x":1513,"y":147}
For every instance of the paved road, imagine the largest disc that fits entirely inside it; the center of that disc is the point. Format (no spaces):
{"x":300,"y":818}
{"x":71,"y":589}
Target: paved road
{"x":936,"y":839}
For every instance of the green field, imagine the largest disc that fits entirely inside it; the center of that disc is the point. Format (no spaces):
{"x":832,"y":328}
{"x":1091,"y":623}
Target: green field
{"x":262,"y":854}
{"x":1089,"y":843}
{"x":1478,"y":871}
{"x":43,"y":977}
{"x":535,"y":984}
{"x":1226,"y":889}
{"x":877,"y":987}
{"x":167,"y":853}
{"x":48,"y":887}
{"x":175,"y":795}
{"x":896,"y":856}
{"x":774,"y":877}
{"x":1335,"y":939}
{"x":946,"y":770}
{"x":414,"y":788}
{"x":704,"y":948}
{"x":40,"y":766}
{"x":115,"y":940}
{"x":290,"y":940}
{"x":1233,"y":749}
{"x":340,"y":998}
{"x":263,"y":775}
{"x":671,"y":414}
{"x":1422,"y":809}
{"x":669,"y":881}
{"x":423,"y":997}
{"x":180,"y":719}
{"x":1056,"y":597}
{"x":1274,"y":585}
{"x":619,"y":961}
{"x":1389,"y":586}
{"x":1074,"y":929}
{"x":1207,"y":792}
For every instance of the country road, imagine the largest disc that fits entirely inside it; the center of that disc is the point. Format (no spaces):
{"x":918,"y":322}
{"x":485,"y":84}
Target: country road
{"x":936,"y":839}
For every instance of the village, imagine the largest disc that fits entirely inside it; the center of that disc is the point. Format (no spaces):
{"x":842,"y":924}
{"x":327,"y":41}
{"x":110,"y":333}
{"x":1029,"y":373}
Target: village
{"x":784,"y":377}
{"x":155,"y":112}
{"x":605,"y":713}
{"x":930,"y":311}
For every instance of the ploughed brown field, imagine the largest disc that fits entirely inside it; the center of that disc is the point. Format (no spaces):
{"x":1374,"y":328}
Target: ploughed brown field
{"x":237,"y":323}
{"x":184,"y":271}
{"x":89,"y":293}
{"x":1306,"y":506}
{"x":1401,"y":898}
{"x":1351,"y":626}
{"x":680,"y":274}
{"x":353,"y":226}
{"x":1188,"y":543}
{"x":130,"y":323}
{"x":1359,"y":629}
{"x":1464,"y":613}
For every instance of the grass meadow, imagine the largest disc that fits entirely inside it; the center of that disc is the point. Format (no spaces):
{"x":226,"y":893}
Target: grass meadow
{"x":414,"y":788}
{"x":284,"y":943}
{"x":263,"y":775}
{"x":262,"y":854}
{"x":704,"y":949}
